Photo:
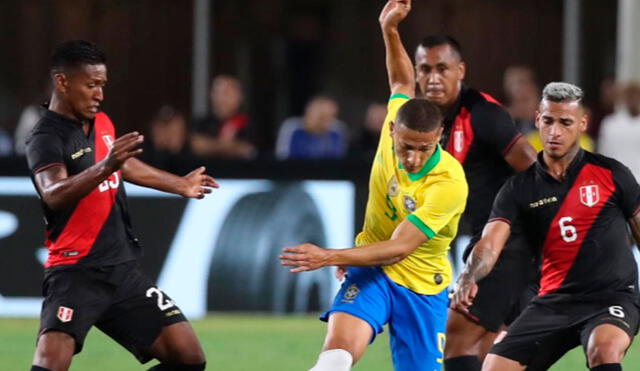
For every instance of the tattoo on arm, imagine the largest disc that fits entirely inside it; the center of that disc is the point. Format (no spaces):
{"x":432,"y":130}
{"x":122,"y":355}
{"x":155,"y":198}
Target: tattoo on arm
{"x":481,"y":261}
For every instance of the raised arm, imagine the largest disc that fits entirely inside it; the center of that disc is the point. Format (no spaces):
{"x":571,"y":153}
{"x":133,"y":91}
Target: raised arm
{"x":404,"y":240}
{"x":59,"y":190}
{"x":194,"y":185}
{"x":399,"y":66}
{"x":481,"y":261}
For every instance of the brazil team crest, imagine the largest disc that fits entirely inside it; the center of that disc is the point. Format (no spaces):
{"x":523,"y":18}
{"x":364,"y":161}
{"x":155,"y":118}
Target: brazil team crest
{"x":392,"y":187}
{"x":409,"y":204}
{"x":351,"y":293}
{"x":589,"y":195}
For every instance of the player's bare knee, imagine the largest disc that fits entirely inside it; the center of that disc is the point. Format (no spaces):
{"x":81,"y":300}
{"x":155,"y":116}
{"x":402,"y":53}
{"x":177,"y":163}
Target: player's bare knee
{"x":607,"y":351}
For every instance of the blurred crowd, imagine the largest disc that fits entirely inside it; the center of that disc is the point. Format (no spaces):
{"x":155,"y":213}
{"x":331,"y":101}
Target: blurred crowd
{"x":227,"y":131}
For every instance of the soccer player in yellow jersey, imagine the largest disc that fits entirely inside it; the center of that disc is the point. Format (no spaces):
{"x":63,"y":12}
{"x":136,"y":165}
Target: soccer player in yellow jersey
{"x":399,"y":272}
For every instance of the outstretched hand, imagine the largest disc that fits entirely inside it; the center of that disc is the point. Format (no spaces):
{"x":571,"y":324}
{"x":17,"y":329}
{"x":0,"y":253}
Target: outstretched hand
{"x":464,"y":294}
{"x":394,"y":12}
{"x":305,"y":257}
{"x":123,"y":149}
{"x":197,"y":184}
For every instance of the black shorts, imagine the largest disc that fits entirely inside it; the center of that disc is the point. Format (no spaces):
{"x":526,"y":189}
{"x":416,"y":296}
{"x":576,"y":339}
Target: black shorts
{"x":119,"y":300}
{"x":506,"y":291}
{"x":554,"y":324}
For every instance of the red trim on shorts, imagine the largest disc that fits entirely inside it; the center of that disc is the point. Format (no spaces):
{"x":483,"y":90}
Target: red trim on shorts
{"x":513,"y":141}
{"x":469,"y":316}
{"x":636,"y":212}
{"x":41,"y":168}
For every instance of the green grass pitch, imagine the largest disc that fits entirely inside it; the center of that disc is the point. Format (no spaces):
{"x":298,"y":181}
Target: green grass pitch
{"x":232,"y":343}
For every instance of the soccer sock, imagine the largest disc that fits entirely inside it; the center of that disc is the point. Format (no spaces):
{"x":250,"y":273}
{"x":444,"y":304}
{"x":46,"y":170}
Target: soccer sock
{"x":334,"y":360}
{"x":608,"y":367}
{"x":462,"y":363}
{"x":38,"y":368}
{"x":177,"y":367}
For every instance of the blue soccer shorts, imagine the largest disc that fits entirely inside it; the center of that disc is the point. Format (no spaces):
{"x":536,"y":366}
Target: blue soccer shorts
{"x":416,"y":322}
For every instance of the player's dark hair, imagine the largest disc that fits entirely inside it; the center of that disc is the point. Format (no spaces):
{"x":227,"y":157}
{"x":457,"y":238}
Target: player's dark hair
{"x":432,"y":41}
{"x":76,"y":53}
{"x":419,"y":115}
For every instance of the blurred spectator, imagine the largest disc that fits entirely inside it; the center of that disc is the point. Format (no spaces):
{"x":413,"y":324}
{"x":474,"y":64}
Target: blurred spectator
{"x":608,"y":96}
{"x":6,"y":146}
{"x":167,"y":136}
{"x":318,"y":134}
{"x":522,"y":94}
{"x":224,"y":133}
{"x":620,"y":131}
{"x":370,"y":134}
{"x":27,"y":121}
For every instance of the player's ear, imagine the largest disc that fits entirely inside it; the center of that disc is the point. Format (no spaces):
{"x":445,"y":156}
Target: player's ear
{"x":391,"y":127}
{"x":537,"y":122}
{"x":463,"y":69}
{"x":60,"y":82}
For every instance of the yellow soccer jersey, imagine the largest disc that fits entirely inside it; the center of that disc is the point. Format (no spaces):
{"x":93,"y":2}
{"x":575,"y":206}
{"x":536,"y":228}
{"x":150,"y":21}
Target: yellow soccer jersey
{"x":433,"y":199}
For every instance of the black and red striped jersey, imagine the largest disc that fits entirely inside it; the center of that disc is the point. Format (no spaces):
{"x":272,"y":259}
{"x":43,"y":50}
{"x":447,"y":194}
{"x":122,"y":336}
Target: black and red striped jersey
{"x":96,"y":231}
{"x":578,"y":225}
{"x":478,"y":132}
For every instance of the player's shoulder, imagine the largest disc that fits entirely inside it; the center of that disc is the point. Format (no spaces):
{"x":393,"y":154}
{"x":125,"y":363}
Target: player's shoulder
{"x":483,"y":106}
{"x":451,"y":168}
{"x":609,"y":163}
{"x":46,"y":129}
{"x":523,"y":180}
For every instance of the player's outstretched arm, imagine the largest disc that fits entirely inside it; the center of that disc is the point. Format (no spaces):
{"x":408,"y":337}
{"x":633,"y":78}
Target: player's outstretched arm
{"x":307,"y":257}
{"x":481,"y":261}
{"x":193,"y":185}
{"x":399,"y":66}
{"x":59,"y":190}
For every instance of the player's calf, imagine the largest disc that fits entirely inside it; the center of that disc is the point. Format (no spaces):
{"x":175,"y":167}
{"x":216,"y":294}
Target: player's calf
{"x":54,"y":351}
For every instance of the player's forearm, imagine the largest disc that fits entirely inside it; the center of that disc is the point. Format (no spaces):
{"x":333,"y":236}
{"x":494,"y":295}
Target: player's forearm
{"x":375,"y":254}
{"x":60,"y":192}
{"x":480,"y":262}
{"x":137,"y":172}
{"x":399,"y":67}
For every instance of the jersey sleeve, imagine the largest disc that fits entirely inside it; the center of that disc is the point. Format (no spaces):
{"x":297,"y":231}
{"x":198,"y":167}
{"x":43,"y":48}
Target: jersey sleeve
{"x":44,"y":149}
{"x":629,"y":191}
{"x":443,"y":201}
{"x":505,"y":206}
{"x":493,"y":126}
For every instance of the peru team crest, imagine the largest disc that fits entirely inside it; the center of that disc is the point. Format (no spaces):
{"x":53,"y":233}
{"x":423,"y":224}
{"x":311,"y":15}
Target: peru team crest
{"x":65,"y":314}
{"x":589,"y":195}
{"x":108,"y":140}
{"x":458,"y":140}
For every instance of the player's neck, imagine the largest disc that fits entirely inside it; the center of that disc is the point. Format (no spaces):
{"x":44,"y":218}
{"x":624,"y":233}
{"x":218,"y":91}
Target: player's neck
{"x":58,"y":106}
{"x":557,"y":167}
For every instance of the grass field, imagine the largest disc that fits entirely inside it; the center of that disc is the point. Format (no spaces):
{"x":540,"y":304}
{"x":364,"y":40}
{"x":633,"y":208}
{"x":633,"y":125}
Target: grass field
{"x":232,"y":343}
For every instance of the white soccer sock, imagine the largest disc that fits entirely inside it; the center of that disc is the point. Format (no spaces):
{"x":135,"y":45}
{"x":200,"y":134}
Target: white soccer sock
{"x":334,"y":360}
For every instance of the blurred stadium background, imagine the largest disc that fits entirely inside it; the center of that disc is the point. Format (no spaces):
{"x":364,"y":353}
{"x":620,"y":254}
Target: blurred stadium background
{"x":224,"y":83}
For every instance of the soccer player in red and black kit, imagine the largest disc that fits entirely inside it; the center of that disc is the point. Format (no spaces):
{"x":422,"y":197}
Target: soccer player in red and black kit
{"x":574,"y":207}
{"x":481,"y":135}
{"x":91,"y":275}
